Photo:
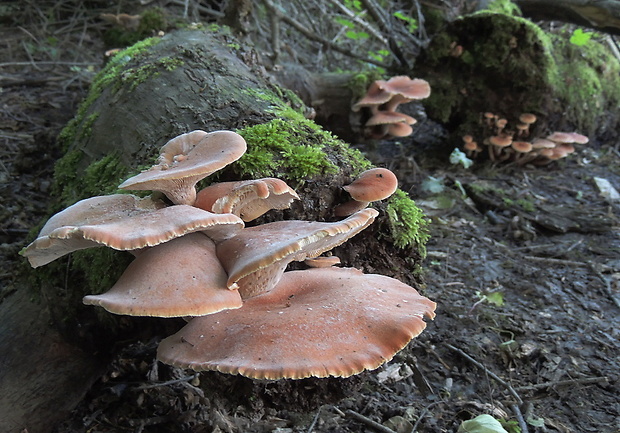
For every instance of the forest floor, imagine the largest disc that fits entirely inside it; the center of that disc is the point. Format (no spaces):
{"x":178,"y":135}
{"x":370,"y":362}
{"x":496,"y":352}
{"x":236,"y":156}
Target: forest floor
{"x":527,"y":322}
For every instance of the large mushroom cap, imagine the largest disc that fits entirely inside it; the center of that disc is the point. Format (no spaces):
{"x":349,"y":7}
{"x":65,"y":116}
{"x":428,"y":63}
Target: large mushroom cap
{"x":122,"y":222}
{"x":246,"y":199}
{"x":256,"y":257}
{"x":317,"y":322}
{"x":185,"y":160}
{"x":179,"y":278}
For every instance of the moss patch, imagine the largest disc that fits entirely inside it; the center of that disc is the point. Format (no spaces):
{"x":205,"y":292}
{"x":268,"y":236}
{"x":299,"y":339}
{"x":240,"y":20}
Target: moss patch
{"x":508,"y":66}
{"x":293,"y":149}
{"x":408,"y":225}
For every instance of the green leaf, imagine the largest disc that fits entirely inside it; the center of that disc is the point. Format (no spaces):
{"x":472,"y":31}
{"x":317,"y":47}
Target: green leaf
{"x":412,"y":24}
{"x":356,"y":35}
{"x":345,"y":22}
{"x":580,"y":38}
{"x":481,"y":424}
{"x":495,"y":298}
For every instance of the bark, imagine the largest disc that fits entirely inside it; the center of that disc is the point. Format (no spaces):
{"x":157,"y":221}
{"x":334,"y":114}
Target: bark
{"x":600,"y":15}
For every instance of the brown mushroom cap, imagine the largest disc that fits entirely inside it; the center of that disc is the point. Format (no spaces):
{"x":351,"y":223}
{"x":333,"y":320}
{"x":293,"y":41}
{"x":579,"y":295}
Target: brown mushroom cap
{"x":122,"y":222}
{"x":390,"y":117}
{"x":521,"y":146}
{"x":256,"y":257}
{"x":372,"y":185}
{"x":527,"y":118}
{"x":375,"y":95}
{"x":246,"y":199}
{"x":399,"y":130}
{"x":543,"y":143}
{"x":322,"y":262}
{"x":561,"y":137}
{"x":316,"y":322}
{"x":408,"y":88}
{"x":349,"y":208}
{"x":185,"y":160}
{"x":179,"y":278}
{"x":500,"y":140}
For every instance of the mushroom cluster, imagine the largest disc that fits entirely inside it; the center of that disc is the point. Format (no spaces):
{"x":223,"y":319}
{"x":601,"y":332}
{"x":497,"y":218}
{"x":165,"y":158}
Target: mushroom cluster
{"x":195,"y":258}
{"x":514,"y":144}
{"x":381,"y":101}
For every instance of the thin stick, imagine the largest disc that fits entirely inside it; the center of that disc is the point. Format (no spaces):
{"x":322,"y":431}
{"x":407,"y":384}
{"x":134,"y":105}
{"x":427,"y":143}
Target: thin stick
{"x":307,"y":33}
{"x":584,"y":381}
{"x":370,"y":423}
{"x":315,"y":419}
{"x":489,"y":372}
{"x":366,"y":26}
{"x":169,"y":382}
{"x":520,"y":419}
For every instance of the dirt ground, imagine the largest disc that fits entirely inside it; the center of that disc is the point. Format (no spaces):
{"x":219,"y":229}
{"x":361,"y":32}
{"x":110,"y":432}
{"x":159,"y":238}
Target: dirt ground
{"x":527,"y":322}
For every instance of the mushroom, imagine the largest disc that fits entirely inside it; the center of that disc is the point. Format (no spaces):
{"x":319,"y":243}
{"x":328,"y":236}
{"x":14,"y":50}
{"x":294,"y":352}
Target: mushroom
{"x":256,"y":257}
{"x":383,"y":97}
{"x":521,"y":148}
{"x":371,"y":185}
{"x":526,"y":120}
{"x":384,"y":124}
{"x":187,"y":159}
{"x":322,"y":262}
{"x":497,"y":144}
{"x":179,"y":278}
{"x":246,"y":199}
{"x":123,"y":222}
{"x":316,"y":322}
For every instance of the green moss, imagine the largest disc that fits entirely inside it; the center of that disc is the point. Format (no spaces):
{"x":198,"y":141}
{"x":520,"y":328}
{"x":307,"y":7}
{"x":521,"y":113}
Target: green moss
{"x":504,"y":6}
{"x":408,"y":225}
{"x":100,"y":178}
{"x":140,"y":74}
{"x":152,"y":21}
{"x":278,"y":148}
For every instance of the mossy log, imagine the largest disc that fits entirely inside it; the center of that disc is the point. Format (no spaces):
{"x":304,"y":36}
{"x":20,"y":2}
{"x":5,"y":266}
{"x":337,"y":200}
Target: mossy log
{"x":146,"y":95}
{"x":507,"y":65}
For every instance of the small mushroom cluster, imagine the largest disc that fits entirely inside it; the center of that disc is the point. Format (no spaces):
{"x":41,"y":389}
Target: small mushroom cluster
{"x":383,"y":98}
{"x":513,"y":144}
{"x":196,"y":258}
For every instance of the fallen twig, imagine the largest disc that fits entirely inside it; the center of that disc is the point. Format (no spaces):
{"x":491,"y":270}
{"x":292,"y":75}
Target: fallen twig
{"x":487,"y":371}
{"x":370,"y":423}
{"x":584,"y":381}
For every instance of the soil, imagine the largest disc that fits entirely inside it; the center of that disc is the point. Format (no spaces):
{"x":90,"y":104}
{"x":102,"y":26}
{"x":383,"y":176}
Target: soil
{"x":524,"y":264}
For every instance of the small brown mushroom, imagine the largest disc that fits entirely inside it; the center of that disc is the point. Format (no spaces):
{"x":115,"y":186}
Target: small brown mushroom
{"x":316,"y":322}
{"x":123,"y":222}
{"x":497,"y":144}
{"x":371,"y":185}
{"x":257,"y":256}
{"x":179,"y":278}
{"x":187,"y":159}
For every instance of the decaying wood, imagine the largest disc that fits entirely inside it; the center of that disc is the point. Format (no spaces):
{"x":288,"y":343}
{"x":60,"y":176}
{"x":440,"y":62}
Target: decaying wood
{"x":601,"y":15}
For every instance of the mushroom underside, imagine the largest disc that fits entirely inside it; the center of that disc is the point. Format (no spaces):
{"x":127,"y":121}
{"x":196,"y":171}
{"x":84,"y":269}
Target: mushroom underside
{"x":179,"y":278}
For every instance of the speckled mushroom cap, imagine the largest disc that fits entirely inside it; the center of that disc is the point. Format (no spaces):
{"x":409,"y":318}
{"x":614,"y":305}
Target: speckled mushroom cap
{"x":317,"y":322}
{"x":246,"y":199}
{"x":372,"y":185}
{"x":185,"y":160}
{"x":256,"y":257}
{"x":122,"y":222}
{"x":179,"y":278}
